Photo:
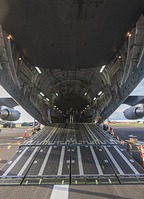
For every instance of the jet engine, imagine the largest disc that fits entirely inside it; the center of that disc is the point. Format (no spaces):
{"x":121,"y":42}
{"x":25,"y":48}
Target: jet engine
{"x":134,"y":112}
{"x":9,"y":114}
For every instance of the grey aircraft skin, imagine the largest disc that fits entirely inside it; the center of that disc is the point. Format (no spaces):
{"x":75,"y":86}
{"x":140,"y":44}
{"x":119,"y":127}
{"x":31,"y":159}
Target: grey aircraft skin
{"x":7,"y":111}
{"x":136,"y":111}
{"x":89,"y":54}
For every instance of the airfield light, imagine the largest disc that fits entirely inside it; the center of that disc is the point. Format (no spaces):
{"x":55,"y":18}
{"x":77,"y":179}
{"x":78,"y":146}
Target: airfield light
{"x":94,"y":98}
{"x":37,"y":68}
{"x":56,"y":94}
{"x":102,"y":68}
{"x":54,"y":106}
{"x":41,"y":94}
{"x":119,"y":57}
{"x":8,"y":148}
{"x":47,"y":99}
{"x":100,"y":93}
{"x":20,"y":58}
{"x":85,"y":94}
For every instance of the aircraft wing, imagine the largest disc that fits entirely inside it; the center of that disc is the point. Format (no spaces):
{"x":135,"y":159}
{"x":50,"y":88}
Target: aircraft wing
{"x":9,"y":102}
{"x":134,"y":100}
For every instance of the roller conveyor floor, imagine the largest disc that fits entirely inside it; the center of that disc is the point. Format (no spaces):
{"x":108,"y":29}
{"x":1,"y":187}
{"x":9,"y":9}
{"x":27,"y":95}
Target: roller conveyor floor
{"x":71,"y":154}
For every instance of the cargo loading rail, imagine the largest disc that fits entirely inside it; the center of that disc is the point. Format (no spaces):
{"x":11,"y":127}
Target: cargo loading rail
{"x":71,"y":154}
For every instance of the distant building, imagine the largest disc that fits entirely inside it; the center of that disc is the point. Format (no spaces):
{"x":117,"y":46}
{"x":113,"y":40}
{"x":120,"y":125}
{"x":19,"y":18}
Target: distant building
{"x":18,"y":125}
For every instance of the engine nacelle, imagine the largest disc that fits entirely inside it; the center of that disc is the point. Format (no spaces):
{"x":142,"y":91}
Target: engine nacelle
{"x":9,"y":114}
{"x":134,"y":113}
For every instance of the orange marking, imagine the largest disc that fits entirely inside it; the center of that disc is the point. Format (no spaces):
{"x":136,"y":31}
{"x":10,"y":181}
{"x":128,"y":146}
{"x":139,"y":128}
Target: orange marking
{"x":18,"y":143}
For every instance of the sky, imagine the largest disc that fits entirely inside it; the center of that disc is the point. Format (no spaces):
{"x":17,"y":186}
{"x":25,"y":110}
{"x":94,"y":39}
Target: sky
{"x":117,"y":115}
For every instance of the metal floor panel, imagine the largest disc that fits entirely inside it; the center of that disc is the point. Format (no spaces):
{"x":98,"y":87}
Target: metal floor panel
{"x":122,"y":162}
{"x":103,"y":161}
{"x":36,"y":166}
{"x":89,"y":166}
{"x":53,"y":162}
{"x":21,"y":164}
{"x":71,"y":154}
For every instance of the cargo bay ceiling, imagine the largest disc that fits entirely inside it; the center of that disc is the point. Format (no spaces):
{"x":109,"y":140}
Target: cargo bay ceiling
{"x":70,"y":41}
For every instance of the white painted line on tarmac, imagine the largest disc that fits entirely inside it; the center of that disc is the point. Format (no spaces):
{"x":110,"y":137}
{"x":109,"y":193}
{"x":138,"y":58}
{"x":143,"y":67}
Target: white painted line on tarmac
{"x":3,"y":144}
{"x":96,"y":161}
{"x":60,"y":192}
{"x":17,"y":138}
{"x":27,"y":162}
{"x":61,"y":161}
{"x":14,"y":163}
{"x":127,"y":161}
{"x":45,"y":162}
{"x":81,"y":172}
{"x":114,"y":161}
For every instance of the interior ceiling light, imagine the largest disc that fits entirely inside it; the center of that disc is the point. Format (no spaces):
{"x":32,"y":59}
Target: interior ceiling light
{"x":119,"y":57}
{"x":129,"y":34}
{"x":47,"y":99}
{"x":85,"y":94}
{"x":37,"y":68}
{"x":102,"y":68}
{"x":41,"y":94}
{"x":94,"y":98}
{"x":100,"y":93}
{"x":20,"y":58}
{"x":54,"y":106}
{"x":87,"y":105}
{"x":56,"y":94}
{"x":9,"y":37}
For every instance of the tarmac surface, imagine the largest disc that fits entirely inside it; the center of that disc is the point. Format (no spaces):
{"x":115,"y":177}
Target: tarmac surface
{"x":9,"y":145}
{"x":10,"y":140}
